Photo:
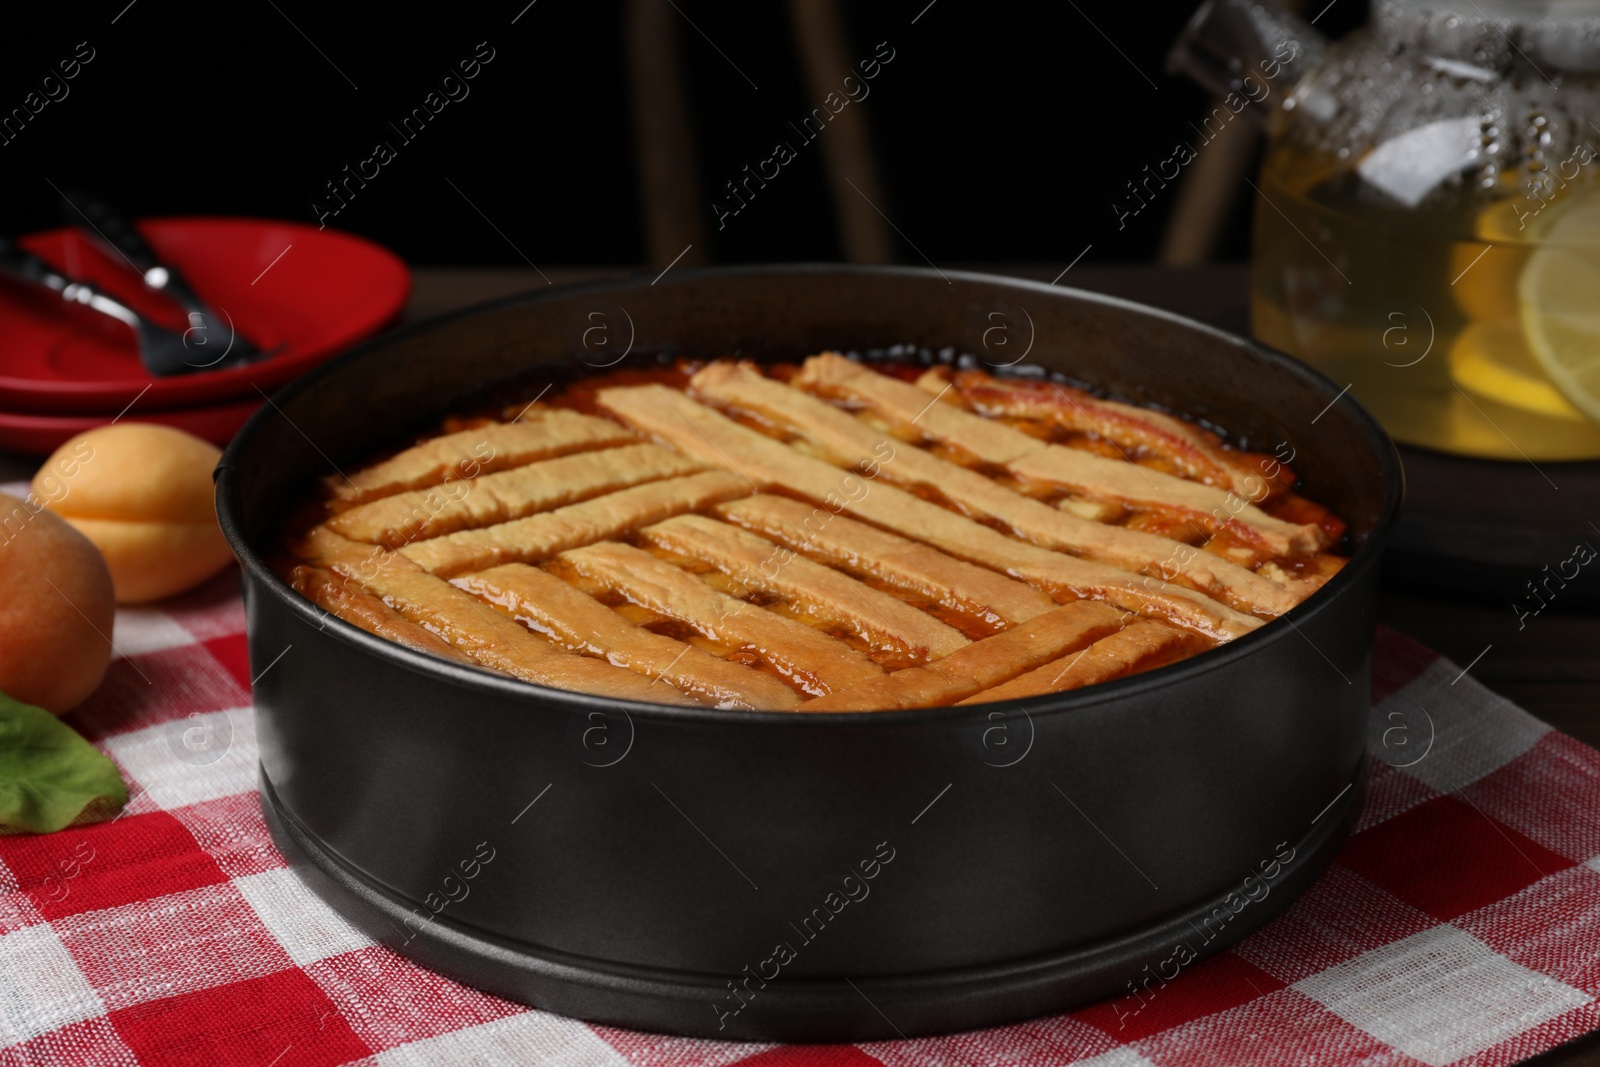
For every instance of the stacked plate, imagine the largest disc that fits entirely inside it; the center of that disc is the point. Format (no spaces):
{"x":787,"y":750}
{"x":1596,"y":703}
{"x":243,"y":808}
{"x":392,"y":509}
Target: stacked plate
{"x":298,"y":293}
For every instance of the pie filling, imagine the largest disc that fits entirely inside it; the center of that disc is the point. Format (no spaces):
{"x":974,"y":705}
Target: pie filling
{"x":833,"y":536}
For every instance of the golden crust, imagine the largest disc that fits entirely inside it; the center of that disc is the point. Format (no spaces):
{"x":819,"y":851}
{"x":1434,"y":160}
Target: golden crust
{"x":982,"y":664}
{"x":1196,"y":453}
{"x":1096,"y":477}
{"x":850,"y":442}
{"x":835,"y":598}
{"x":419,"y":514}
{"x":472,"y":626}
{"x":542,"y":536}
{"x":537,"y":434}
{"x":1140,"y":646}
{"x":813,"y":661}
{"x":342,"y":597}
{"x":917,"y":572}
{"x":685,"y":423}
{"x":579,"y":623}
{"x":842,"y":540}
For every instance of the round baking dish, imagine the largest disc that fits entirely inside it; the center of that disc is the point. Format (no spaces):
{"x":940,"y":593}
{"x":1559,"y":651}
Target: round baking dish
{"x":828,"y":877}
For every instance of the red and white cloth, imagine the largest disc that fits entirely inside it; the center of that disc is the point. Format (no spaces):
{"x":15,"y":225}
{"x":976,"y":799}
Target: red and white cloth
{"x":1461,"y":924}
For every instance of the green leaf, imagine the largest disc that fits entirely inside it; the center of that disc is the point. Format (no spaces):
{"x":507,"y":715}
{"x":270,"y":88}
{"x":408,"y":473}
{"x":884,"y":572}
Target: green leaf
{"x":49,"y":774}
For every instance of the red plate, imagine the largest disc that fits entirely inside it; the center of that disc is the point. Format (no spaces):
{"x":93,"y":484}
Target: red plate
{"x":288,"y":286}
{"x":40,"y":435}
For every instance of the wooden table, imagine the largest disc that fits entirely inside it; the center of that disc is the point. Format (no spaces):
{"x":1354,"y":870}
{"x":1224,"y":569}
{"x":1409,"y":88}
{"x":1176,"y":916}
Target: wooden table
{"x":1551,"y":667}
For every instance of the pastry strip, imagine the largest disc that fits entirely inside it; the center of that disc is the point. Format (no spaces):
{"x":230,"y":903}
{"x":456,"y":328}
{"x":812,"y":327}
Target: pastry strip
{"x":538,"y":434}
{"x":579,"y":623}
{"x":512,"y":494}
{"x":1115,"y":480}
{"x":1193,"y":451}
{"x":353,"y":604}
{"x":1208,"y":508}
{"x":990,"y":599}
{"x":981,"y":664}
{"x":474,"y":627}
{"x":849,"y":441}
{"x":542,"y":536}
{"x":822,"y":592}
{"x":1140,"y":646}
{"x":813,"y":661}
{"x":713,"y":437}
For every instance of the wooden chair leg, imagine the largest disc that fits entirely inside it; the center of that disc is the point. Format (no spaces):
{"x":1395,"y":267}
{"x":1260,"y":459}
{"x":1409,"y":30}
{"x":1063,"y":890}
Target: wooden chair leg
{"x":1206,"y":195}
{"x":1210,"y":187}
{"x":671,"y":196}
{"x":848,"y":161}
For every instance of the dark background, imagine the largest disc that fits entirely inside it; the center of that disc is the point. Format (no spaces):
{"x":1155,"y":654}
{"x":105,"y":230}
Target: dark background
{"x":1003,"y":129}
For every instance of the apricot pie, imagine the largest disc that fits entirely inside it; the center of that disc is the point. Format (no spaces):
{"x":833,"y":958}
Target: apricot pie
{"x":833,"y":536}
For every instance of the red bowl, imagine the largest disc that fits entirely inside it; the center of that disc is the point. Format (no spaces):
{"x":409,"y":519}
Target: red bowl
{"x":306,"y":292}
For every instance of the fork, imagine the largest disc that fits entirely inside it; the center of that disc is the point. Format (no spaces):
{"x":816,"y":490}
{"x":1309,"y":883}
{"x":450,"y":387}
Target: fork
{"x":163,"y":352}
{"x":116,"y":232}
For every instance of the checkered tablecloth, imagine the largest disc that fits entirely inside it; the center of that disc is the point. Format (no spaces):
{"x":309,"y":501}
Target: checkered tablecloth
{"x":1461,"y":924}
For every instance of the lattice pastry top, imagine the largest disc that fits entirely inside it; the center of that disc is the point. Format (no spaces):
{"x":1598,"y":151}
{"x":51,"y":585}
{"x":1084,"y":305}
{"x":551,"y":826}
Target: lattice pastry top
{"x":828,"y":537}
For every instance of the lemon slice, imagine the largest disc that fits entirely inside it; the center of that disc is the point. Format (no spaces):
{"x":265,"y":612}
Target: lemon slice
{"x":1492,"y":360}
{"x":1485,"y":285}
{"x":1559,"y":293}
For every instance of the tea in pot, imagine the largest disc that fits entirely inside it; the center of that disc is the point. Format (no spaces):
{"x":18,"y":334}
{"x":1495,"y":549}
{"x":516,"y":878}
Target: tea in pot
{"x":1427,"y":225}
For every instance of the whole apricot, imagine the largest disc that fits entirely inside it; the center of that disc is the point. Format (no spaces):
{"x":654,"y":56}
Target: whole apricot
{"x":142,"y":493}
{"x":56,"y":608}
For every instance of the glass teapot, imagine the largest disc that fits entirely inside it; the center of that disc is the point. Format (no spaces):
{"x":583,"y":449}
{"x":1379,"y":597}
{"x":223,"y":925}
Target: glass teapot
{"x":1427,"y":225}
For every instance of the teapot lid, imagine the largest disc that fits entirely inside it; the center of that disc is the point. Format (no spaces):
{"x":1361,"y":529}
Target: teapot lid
{"x":1552,"y":35}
